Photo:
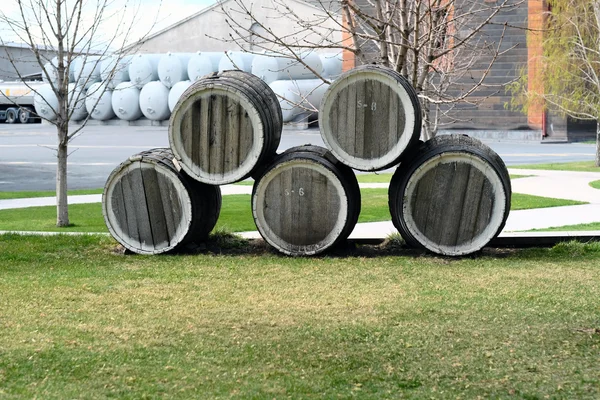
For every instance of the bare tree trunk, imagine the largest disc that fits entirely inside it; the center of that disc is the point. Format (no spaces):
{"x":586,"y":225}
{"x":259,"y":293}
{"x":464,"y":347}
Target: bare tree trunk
{"x":62,"y":206}
{"x":598,"y":143}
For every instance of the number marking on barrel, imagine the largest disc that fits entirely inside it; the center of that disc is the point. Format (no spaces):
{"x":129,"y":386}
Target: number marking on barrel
{"x":300,"y":192}
{"x":362,"y":104}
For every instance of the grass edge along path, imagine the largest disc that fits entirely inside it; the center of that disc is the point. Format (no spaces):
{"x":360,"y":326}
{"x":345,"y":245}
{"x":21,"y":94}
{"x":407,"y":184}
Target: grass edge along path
{"x":591,"y":226}
{"x":81,"y":320}
{"x":576,"y":166}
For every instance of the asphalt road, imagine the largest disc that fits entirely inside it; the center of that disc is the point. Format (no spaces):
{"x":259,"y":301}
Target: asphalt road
{"x":27,"y":156}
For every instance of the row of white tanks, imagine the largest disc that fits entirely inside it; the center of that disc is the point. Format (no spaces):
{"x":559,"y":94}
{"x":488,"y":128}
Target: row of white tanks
{"x":149,"y":85}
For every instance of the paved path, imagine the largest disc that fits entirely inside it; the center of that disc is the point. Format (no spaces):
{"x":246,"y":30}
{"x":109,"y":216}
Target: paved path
{"x":557,"y":184}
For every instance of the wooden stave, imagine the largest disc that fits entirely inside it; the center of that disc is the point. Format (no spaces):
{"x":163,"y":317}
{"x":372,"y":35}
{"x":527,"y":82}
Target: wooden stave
{"x":346,"y":178}
{"x":459,"y":140}
{"x":259,"y":97}
{"x":444,"y":144}
{"x":412,"y":94}
{"x":260,"y":92}
{"x":272,"y":131}
{"x":206,"y":199}
{"x":370,"y":164}
{"x":346,"y":173}
{"x":204,"y":202}
{"x":267,"y":95}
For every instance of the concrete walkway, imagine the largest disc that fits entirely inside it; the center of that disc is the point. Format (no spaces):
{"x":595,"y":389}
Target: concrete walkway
{"x":556,"y":184}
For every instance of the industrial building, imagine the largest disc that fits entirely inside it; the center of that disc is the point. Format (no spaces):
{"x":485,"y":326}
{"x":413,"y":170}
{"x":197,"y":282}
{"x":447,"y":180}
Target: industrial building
{"x":210,"y":29}
{"x":23,"y":59}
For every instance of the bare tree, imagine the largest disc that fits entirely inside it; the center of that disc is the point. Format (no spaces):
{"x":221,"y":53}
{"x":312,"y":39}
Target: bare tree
{"x":81,"y":34}
{"x":445,"y":48}
{"x":569,"y":78}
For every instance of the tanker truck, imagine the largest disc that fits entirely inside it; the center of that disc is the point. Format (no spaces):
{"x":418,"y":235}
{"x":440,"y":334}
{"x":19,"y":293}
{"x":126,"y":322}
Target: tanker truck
{"x":16,"y":102}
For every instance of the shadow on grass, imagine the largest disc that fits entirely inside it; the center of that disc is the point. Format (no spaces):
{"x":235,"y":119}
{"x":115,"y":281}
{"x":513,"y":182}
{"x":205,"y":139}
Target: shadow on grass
{"x":230,"y":244}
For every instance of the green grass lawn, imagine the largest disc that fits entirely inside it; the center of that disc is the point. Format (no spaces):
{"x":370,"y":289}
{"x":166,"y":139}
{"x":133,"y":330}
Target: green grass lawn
{"x":526,"y":202}
{"x":592,"y":226}
{"x":595,"y":184}
{"x":80,"y":320}
{"x":580,"y":166}
{"x":236,"y":213}
{"x":372,"y":177}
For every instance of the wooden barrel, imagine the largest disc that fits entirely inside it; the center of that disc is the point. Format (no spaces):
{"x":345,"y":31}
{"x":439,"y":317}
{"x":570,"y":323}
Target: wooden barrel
{"x":224,"y":126}
{"x":369,"y":117}
{"x":151,"y":207}
{"x":305,"y":201}
{"x":452,"y":197}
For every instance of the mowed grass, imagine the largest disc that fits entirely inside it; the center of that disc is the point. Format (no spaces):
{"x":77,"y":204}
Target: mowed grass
{"x":236,"y":213}
{"x":592,"y":226}
{"x":80,"y":320}
{"x":595,"y":184}
{"x":520,"y":201}
{"x":579,"y":166}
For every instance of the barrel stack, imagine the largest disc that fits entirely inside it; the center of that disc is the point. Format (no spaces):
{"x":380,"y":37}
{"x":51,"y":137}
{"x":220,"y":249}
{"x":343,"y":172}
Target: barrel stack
{"x":449,"y":195}
{"x":223,"y":128}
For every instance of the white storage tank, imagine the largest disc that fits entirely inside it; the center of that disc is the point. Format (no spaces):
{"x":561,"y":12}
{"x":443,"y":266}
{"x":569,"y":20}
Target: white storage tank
{"x":46,"y":102}
{"x":51,"y":74}
{"x":172,"y":68}
{"x":236,"y":60}
{"x":144,"y":69}
{"x":86,"y":70}
{"x":273,"y":67}
{"x":52,"y":66}
{"x":77,"y":96}
{"x":203,"y":63}
{"x":98,"y":102}
{"x":332,"y":65}
{"x":300,"y":97}
{"x":126,"y":101}
{"x":115,"y":70}
{"x":176,"y":92}
{"x":154,"y":101}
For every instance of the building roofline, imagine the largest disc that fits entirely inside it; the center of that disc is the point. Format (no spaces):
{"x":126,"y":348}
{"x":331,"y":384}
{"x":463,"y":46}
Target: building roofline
{"x":218,"y":3}
{"x":26,"y":46}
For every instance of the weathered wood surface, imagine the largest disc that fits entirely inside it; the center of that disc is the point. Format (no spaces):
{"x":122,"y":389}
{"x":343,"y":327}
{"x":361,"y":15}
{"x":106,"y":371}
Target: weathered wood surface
{"x":224,"y":126}
{"x":452,"y":198}
{"x":273,"y":113}
{"x":370,"y":117}
{"x":150,"y":207}
{"x":306,"y":201}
